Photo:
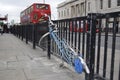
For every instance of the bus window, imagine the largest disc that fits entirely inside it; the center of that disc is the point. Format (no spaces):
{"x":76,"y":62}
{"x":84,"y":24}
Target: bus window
{"x":28,"y":10}
{"x":41,"y":6}
{"x":35,"y":16}
{"x":31,"y":8}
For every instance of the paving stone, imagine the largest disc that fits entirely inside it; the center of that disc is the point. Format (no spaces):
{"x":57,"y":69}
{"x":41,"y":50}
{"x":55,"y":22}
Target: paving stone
{"x":19,"y":61}
{"x":23,"y":58}
{"x":3,"y":65}
{"x":12,"y":75}
{"x":6,"y":58}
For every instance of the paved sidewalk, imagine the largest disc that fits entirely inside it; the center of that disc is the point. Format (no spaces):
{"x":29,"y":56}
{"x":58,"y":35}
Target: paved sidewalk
{"x":19,"y":61}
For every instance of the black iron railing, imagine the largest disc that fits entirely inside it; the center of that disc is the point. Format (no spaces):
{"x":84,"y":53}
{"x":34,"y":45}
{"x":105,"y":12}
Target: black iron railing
{"x":95,"y":37}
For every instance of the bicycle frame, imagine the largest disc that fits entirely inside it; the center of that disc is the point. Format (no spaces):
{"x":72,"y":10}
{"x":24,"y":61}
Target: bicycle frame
{"x":66,"y":52}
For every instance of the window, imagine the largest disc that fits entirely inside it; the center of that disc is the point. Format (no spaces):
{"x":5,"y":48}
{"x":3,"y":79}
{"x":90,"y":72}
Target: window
{"x":68,"y":12}
{"x":35,"y":16}
{"x":118,"y":2}
{"x":64,"y":13}
{"x":101,"y":4}
{"x":59,"y":14}
{"x":22,"y":14}
{"x":27,"y":11}
{"x":88,"y":6}
{"x":82,"y":8}
{"x":41,"y":6}
{"x":72,"y":11}
{"x":77,"y":9}
{"x":109,"y":3}
{"x":31,"y":8}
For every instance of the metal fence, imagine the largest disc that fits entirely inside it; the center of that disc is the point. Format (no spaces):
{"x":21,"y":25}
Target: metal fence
{"x":96,"y":37}
{"x":31,"y":33}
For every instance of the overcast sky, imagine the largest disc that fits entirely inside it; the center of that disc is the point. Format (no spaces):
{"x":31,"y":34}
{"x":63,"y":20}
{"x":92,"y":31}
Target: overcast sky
{"x":14,"y":7}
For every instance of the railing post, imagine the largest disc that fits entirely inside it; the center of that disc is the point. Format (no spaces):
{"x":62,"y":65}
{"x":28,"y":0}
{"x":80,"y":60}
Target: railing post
{"x":91,"y":45}
{"x":19,"y":31}
{"x":49,"y":51}
{"x":49,"y":45}
{"x":119,"y":72}
{"x":34,"y":36}
{"x":115,"y":25}
{"x":105,"y":47}
{"x":83,"y":37}
{"x":87,"y":45}
{"x":26,"y":28}
{"x":22,"y":32}
{"x":99,"y":44}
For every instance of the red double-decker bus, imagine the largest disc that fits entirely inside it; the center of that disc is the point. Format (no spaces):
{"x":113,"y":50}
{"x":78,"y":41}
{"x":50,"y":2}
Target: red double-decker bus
{"x":35,"y":13}
{"x":83,"y":27}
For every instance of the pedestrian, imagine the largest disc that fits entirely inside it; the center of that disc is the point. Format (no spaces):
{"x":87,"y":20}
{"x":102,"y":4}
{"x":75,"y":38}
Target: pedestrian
{"x":1,"y":29}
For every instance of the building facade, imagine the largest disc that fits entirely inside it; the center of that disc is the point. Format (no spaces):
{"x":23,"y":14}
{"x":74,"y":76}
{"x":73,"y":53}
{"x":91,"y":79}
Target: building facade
{"x":79,"y":8}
